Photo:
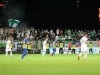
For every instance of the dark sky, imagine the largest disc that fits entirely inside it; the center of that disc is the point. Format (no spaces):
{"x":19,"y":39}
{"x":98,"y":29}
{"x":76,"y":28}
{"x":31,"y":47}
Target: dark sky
{"x":58,"y":13}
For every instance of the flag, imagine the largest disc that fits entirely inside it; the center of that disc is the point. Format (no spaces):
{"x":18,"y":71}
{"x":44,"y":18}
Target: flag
{"x":13,"y":22}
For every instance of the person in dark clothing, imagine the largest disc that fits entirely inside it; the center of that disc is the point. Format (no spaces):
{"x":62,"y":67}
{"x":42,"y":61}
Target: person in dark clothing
{"x":14,"y":35}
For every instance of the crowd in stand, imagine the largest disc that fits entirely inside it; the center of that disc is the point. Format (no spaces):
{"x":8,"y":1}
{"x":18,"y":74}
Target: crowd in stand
{"x":59,"y":34}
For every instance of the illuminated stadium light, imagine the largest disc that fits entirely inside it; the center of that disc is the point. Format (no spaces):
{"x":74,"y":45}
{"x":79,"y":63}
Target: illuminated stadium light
{"x":99,"y":13}
{"x":1,"y":5}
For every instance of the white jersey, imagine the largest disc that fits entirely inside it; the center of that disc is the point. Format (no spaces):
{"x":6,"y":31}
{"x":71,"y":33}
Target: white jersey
{"x":83,"y":40}
{"x":8,"y":45}
{"x":44,"y":45}
{"x":83,"y":44}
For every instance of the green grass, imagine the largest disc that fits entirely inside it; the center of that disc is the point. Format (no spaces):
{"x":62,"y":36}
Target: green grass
{"x":35,"y":64}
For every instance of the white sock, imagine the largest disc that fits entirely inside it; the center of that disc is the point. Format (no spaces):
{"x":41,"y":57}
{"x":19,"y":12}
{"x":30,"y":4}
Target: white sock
{"x":10,"y":53}
{"x":6,"y":53}
{"x":44,"y":53}
{"x":80,"y":54}
{"x":85,"y":56}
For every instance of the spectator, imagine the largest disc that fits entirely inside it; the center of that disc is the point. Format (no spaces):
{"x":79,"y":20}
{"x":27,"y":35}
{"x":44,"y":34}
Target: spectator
{"x":69,"y":32}
{"x":57,"y":37}
{"x":18,"y":36}
{"x":73,"y":35}
{"x":31,"y":37}
{"x":22,"y":35}
{"x":14,"y":35}
{"x":51,"y":31}
{"x":61,"y":32}
{"x":57,"y":32}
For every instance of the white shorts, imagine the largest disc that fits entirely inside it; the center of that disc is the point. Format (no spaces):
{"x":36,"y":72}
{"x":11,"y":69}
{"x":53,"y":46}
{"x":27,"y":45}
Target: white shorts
{"x":8,"y":49}
{"x":51,"y":51}
{"x":83,"y":48}
{"x":44,"y":49}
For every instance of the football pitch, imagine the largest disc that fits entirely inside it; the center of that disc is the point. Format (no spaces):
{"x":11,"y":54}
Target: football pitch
{"x":62,"y":64}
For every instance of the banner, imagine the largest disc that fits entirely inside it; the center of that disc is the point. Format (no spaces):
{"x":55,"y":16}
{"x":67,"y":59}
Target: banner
{"x":13,"y":22}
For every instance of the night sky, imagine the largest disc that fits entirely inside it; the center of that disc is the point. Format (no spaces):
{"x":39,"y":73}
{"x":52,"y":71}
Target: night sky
{"x":56,"y":13}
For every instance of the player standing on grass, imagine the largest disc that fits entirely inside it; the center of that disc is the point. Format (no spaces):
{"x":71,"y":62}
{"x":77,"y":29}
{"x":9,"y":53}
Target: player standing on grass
{"x":8,"y":47}
{"x":54,"y":47}
{"x":26,"y":41}
{"x":83,"y":42}
{"x":51,"y":49}
{"x":44,"y":46}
